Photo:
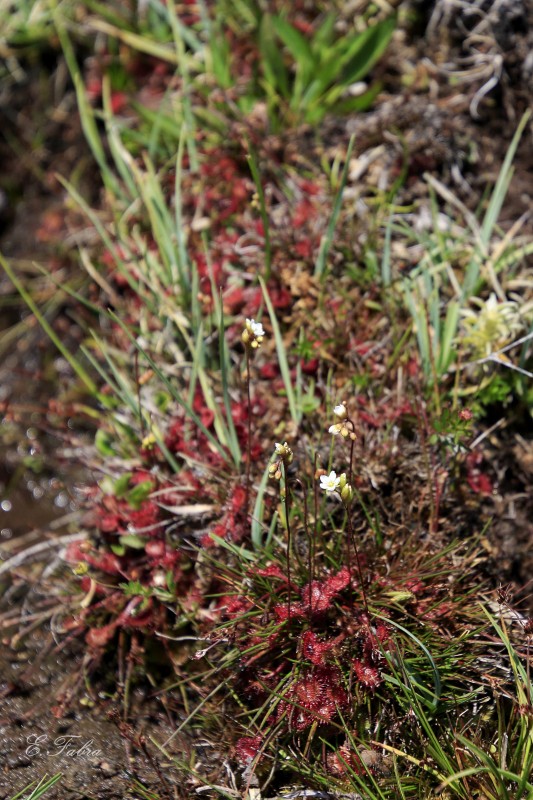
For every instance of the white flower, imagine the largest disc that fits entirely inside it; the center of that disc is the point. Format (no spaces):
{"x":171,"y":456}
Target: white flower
{"x":329,"y":482}
{"x":255,"y":327}
{"x":253,"y":334}
{"x":335,"y":429}
{"x":340,"y":411}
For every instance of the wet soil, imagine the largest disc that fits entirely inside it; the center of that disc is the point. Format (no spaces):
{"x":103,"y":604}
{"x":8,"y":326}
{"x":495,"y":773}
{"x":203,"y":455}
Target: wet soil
{"x":40,"y":138}
{"x":99,"y":753}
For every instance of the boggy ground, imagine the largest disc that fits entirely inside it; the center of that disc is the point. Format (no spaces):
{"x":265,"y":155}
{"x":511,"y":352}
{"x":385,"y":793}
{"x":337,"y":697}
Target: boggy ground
{"x":458,"y":135}
{"x":97,"y":751}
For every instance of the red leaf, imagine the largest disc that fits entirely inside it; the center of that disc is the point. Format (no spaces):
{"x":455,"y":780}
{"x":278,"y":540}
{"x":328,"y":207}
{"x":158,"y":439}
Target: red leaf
{"x":313,"y":649}
{"x":269,"y":371}
{"x":99,"y":637}
{"x":247,"y":748}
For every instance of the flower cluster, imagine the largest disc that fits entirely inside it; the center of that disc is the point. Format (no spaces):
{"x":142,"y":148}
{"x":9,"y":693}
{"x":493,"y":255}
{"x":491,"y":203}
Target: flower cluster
{"x":341,"y":427}
{"x":253,"y":334}
{"x":282,"y":455}
{"x":333,"y":484}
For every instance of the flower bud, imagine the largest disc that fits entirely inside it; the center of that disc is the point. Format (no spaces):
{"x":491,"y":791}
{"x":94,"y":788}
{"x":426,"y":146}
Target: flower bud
{"x":149,"y":442}
{"x":284,"y":451}
{"x":347,"y":494}
{"x":340,"y":411}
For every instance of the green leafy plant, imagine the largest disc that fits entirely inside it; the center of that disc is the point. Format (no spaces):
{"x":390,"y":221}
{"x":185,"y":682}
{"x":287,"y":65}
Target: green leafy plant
{"x":321,"y":68}
{"x":27,"y":25}
{"x":456,"y":265}
{"x":451,"y":429}
{"x":301,"y":76}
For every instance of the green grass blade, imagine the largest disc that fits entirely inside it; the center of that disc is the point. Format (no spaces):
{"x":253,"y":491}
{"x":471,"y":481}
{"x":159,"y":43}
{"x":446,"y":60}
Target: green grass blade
{"x":115,"y":145}
{"x":302,"y":54}
{"x":420,"y":327}
{"x":295,"y":412}
{"x":437,"y":685}
{"x":494,"y":208}
{"x":179,"y":227}
{"x":368,"y":50}
{"x":254,"y":169}
{"x":138,"y":42}
{"x":39,"y":790}
{"x":502,"y":184}
{"x":172,"y":390}
{"x":233,"y":441}
{"x":294,"y":41}
{"x":97,"y":224}
{"x":490,"y":766}
{"x":274,"y":69}
{"x":447,"y":340}
{"x":359,"y":103}
{"x":85,"y":110}
{"x":327,"y":239}
{"x":224,"y":430}
{"x":124,"y":390}
{"x":520,"y":674}
{"x":386,"y":261}
{"x":257,"y":528}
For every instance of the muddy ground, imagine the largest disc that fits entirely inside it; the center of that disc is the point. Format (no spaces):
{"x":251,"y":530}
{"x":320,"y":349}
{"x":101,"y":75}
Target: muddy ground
{"x":98,"y":753}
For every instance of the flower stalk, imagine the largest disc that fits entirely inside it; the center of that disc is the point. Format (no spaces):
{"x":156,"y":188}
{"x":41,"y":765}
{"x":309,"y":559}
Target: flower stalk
{"x":252,"y":338}
{"x":345,"y":428}
{"x":283,"y":457}
{"x":342,"y":485}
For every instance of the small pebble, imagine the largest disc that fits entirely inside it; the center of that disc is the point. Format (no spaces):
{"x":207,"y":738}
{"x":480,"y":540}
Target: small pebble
{"x":18,"y":760}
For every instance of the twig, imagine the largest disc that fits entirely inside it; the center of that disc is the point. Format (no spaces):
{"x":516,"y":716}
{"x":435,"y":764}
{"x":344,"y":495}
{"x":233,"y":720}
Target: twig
{"x":495,"y":357}
{"x":41,"y":547}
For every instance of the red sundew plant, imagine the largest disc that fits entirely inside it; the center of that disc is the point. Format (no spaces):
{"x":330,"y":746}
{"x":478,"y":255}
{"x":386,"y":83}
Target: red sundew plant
{"x":309,"y":665}
{"x":315,"y":639}
{"x":319,"y":670}
{"x":138,"y":563}
{"x":136,"y":566}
